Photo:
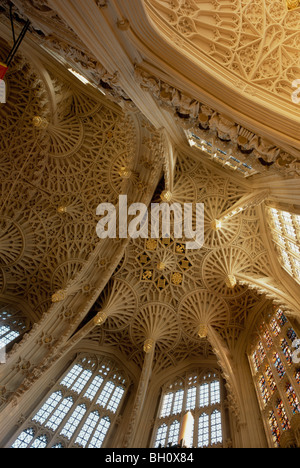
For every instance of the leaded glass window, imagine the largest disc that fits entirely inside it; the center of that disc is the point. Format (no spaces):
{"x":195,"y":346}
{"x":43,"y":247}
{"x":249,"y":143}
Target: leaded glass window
{"x":285,"y":231}
{"x":12,"y":325}
{"x":200,"y":393}
{"x":80,"y":410}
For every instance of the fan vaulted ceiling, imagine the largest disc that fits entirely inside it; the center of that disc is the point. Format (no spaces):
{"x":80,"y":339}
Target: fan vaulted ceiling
{"x":63,"y":147}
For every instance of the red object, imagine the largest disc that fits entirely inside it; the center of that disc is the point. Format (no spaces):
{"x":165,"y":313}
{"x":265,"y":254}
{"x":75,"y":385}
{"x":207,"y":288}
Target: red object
{"x":3,"y":70}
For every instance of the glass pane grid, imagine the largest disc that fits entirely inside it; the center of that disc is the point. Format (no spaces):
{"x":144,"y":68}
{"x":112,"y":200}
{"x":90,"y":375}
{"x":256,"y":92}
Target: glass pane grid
{"x":286,"y":235}
{"x":50,"y":405}
{"x":88,"y":429}
{"x":207,"y":425}
{"x":116,"y":399}
{"x":73,"y":422}
{"x":161,"y":436}
{"x":100,"y":433}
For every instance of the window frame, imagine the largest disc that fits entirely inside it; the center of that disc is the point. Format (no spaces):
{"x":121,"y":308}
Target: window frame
{"x":60,"y":428}
{"x":196,"y":378}
{"x":278,"y":371}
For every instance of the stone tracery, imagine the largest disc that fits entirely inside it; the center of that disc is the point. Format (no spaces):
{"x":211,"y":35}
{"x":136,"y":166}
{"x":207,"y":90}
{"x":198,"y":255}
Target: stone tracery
{"x":159,"y":291}
{"x":256,"y":40}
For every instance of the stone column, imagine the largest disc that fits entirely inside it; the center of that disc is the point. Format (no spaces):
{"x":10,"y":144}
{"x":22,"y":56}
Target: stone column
{"x":149,"y":350}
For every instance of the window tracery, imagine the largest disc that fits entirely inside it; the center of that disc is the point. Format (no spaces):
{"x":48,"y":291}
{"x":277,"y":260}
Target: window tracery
{"x":276,"y":376}
{"x":80,"y":410}
{"x":12,"y":325}
{"x":200,"y":393}
{"x":285,"y":228}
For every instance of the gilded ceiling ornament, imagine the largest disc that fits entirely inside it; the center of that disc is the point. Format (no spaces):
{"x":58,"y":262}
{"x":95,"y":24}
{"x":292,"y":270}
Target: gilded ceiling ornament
{"x":125,"y":173}
{"x":40,"y":122}
{"x":62,"y":209}
{"x":203,"y":331}
{"x":177,"y":278}
{"x":148,"y":346}
{"x":231,"y":281}
{"x":100,"y":318}
{"x":166,"y":196}
{"x":59,"y":296}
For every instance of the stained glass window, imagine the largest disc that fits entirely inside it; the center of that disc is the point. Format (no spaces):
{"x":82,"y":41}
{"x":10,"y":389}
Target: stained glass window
{"x":103,"y":388}
{"x":282,"y":416}
{"x":292,"y":398}
{"x":256,"y":362}
{"x":275,"y":327}
{"x":264,"y":389}
{"x":268,"y":339}
{"x":281,"y":318}
{"x":291,"y":334}
{"x":261,"y":351}
{"x":274,"y":428}
{"x":270,"y":379}
{"x":277,"y":381}
{"x":278,"y":364}
{"x":286,"y":351}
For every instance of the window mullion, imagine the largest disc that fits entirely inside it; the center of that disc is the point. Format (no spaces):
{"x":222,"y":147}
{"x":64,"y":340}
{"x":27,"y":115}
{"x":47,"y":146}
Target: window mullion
{"x":72,"y":439}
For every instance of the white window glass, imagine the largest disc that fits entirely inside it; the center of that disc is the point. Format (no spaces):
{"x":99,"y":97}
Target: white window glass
{"x":105,"y":394}
{"x":48,"y":408}
{"x":287,"y":242}
{"x":191,"y":398}
{"x":7,"y":335}
{"x":116,"y":399}
{"x":24,"y":439}
{"x":94,"y":387}
{"x":40,"y":442}
{"x":203,"y":431}
{"x":60,"y":413}
{"x":67,"y":419}
{"x":71,"y":376}
{"x":167,"y":405}
{"x":82,"y":380}
{"x":216,"y":427}
{"x":88,"y":429}
{"x":174,"y":433}
{"x":204,"y":395}
{"x":100,"y":433}
{"x":178,"y":402}
{"x":215,"y":393}
{"x":73,"y":422}
{"x":198,"y":390}
{"x":161,"y":436}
